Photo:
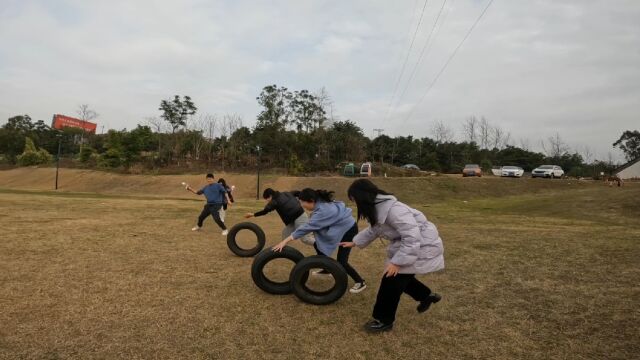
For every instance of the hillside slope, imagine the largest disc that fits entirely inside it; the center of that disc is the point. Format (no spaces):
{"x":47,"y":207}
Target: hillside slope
{"x":425,"y":189}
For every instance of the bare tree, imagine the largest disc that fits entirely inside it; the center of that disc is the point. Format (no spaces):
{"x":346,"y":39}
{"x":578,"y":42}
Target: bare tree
{"x":525,"y":144}
{"x":470,"y":129}
{"x":325,"y":102}
{"x":159,"y":126}
{"x":441,"y":132}
{"x":199,"y":125}
{"x":85,"y":113}
{"x":210,"y":124}
{"x":554,"y":147}
{"x":156,"y":124}
{"x":506,"y":140}
{"x":497,"y":135}
{"x":587,"y":154}
{"x":229,"y":124}
{"x":484,"y":132}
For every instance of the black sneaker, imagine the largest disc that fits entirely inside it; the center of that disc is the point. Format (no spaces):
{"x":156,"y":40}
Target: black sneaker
{"x":432,"y":299}
{"x":376,"y":326}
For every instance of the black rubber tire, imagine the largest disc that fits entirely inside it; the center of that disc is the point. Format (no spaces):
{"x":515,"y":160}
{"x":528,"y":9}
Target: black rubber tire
{"x":233,"y":245}
{"x":261,"y":260}
{"x":300,"y":274}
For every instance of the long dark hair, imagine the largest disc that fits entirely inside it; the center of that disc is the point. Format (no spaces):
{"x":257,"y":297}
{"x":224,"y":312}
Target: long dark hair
{"x":311,"y":195}
{"x":223,"y":182}
{"x":364,"y":193}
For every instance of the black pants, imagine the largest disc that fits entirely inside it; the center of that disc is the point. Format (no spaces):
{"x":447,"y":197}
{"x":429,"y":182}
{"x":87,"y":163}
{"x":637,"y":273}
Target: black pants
{"x":389,"y":295}
{"x":213,"y":210}
{"x":343,"y":254}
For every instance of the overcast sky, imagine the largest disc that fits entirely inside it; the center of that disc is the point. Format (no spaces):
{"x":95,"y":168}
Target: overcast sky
{"x":533,"y":68}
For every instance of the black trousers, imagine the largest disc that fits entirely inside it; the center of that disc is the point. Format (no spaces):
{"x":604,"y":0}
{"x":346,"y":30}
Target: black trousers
{"x":213,"y":210}
{"x":389,"y":295}
{"x":343,"y":254}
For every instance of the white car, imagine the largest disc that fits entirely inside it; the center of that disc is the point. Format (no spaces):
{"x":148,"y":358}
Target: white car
{"x":411,"y":167}
{"x":548,"y":171}
{"x":512,"y":171}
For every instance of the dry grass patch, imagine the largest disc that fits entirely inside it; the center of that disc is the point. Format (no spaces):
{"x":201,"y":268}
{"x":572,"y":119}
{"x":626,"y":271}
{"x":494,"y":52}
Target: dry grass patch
{"x":101,"y":277}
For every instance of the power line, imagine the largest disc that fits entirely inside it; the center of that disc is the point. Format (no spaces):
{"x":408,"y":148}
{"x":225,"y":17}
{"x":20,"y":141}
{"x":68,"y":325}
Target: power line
{"x":406,"y":59}
{"x":453,"y":54}
{"x":424,"y":48}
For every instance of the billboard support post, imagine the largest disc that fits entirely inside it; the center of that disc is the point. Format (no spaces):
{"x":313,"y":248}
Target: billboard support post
{"x":59,"y":136}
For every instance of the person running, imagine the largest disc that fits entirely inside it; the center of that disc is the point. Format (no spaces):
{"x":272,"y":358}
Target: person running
{"x":216,"y":195}
{"x":223,"y":211}
{"x":415,"y":248}
{"x":286,"y":204}
{"x":331,"y":222}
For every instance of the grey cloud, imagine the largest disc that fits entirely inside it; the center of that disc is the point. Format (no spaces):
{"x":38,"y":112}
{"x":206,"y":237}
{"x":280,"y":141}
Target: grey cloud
{"x":534,"y":68}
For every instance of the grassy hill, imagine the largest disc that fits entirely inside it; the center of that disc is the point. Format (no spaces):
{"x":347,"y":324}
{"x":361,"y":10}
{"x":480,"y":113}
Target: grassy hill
{"x":414,"y":190}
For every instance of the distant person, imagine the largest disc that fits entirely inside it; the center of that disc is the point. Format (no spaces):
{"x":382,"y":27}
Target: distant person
{"x":229,"y":190}
{"x":331,"y":222}
{"x":415,"y":248}
{"x":216,"y":195}
{"x":288,"y":207}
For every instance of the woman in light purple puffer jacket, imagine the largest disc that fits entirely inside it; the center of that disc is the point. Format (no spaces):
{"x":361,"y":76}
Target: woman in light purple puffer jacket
{"x":415,"y":248}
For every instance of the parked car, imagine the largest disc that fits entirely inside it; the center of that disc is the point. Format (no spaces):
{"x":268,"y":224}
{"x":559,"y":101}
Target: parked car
{"x":471,"y":170}
{"x":496,"y":170}
{"x":512,"y":171}
{"x":349,"y":169}
{"x":548,"y":171}
{"x":411,"y":167}
{"x":366,"y":169}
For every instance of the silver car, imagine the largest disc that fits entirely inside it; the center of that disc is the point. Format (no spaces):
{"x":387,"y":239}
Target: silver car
{"x":548,"y":171}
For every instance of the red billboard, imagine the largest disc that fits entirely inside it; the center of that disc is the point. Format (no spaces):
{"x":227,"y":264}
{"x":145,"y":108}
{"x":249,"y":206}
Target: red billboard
{"x":62,"y":121}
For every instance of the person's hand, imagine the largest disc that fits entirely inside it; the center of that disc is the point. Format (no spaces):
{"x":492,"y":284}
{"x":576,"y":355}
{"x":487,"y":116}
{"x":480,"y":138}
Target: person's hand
{"x":391,"y":270}
{"x":349,"y":244}
{"x":248,"y":215}
{"x":279,"y":246}
{"x":228,"y":204}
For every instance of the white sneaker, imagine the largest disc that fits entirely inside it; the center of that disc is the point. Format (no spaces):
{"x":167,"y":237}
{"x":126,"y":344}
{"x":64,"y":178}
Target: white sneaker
{"x":225,"y":232}
{"x":358,"y":287}
{"x":196,"y":228}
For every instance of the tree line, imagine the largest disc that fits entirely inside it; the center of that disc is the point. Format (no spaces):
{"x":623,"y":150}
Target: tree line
{"x":295,"y":131}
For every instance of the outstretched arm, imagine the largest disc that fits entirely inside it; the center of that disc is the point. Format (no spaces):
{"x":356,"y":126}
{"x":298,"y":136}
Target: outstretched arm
{"x":271,"y":205}
{"x":190,"y":189}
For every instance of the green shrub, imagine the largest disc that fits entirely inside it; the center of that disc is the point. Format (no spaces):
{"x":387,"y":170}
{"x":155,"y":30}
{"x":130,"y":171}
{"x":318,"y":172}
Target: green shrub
{"x":486,"y":166}
{"x":112,"y":158}
{"x":295,"y":166}
{"x":86,"y":154}
{"x":32,"y":156}
{"x":577,"y":171}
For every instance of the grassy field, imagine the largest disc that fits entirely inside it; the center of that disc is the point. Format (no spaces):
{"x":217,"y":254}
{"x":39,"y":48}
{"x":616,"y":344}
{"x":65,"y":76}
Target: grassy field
{"x":550,"y":273}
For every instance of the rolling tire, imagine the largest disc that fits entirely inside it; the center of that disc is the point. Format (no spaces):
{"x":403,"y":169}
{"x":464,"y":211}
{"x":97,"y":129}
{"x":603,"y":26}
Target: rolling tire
{"x":233,"y":245}
{"x":261,"y":260}
{"x":300,"y":274}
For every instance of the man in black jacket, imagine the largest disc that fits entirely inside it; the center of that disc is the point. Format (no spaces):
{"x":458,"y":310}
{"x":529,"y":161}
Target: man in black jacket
{"x":286,"y":204}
